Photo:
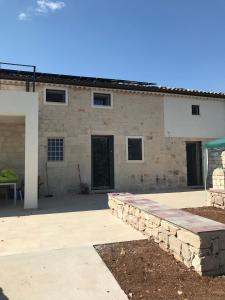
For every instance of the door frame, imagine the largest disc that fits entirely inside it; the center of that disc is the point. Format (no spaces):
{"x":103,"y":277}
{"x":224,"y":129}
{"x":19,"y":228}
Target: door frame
{"x":112,"y":165}
{"x":201,"y":165}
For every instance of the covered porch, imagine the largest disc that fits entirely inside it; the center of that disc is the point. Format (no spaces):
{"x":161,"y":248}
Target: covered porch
{"x":19,"y":142}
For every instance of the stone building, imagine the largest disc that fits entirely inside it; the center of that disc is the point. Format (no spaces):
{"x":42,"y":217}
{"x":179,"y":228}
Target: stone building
{"x":124,"y":135}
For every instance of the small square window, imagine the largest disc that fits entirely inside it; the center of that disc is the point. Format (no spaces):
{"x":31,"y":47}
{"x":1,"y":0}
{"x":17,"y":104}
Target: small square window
{"x":100,"y":99}
{"x":55,"y":149}
{"x":195,"y":110}
{"x":135,"y":151}
{"x":55,"y":96}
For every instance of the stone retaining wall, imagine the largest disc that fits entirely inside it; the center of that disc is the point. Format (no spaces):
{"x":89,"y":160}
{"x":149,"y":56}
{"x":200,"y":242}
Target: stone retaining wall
{"x":217,"y":193}
{"x":202,"y":247}
{"x":216,"y":160}
{"x":217,"y":198}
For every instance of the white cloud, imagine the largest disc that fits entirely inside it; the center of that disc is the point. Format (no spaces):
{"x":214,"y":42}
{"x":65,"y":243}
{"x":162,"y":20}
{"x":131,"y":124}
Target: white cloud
{"x":23,"y":16}
{"x":44,"y":6}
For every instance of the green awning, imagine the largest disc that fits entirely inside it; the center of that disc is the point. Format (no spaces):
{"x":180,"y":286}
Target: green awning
{"x":216,"y":144}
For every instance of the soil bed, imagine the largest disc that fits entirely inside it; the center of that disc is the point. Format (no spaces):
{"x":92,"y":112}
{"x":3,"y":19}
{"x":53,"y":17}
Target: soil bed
{"x":209,"y":212}
{"x":144,"y":271}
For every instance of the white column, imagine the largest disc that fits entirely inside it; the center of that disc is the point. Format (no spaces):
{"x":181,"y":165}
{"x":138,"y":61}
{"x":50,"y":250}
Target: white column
{"x":31,"y":161}
{"x":206,"y":166}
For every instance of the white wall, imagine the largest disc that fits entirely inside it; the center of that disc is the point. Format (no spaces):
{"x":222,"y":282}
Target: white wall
{"x":16,"y":103}
{"x":179,"y":121}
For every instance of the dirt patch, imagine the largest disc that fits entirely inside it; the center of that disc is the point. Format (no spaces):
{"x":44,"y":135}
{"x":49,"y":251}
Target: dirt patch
{"x":146,"y":272}
{"x":209,"y":212}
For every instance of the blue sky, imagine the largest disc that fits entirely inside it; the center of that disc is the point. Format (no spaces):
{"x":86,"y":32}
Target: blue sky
{"x":175,"y":43}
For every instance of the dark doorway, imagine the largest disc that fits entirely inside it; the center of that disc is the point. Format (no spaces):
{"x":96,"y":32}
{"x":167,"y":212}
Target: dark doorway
{"x":102,"y":148}
{"x":194,"y":163}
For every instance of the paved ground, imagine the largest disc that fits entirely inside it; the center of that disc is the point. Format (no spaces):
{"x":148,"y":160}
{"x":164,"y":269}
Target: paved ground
{"x":49,"y":254}
{"x":180,"y":199}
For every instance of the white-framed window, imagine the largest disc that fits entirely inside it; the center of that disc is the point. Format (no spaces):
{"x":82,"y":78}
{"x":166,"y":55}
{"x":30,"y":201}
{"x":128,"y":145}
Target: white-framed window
{"x":101,"y":99}
{"x":135,"y":148}
{"x":55,"y":149}
{"x":55,"y":96}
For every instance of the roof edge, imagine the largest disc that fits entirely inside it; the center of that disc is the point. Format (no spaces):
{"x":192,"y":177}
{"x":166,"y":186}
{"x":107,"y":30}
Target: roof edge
{"x":93,"y":82}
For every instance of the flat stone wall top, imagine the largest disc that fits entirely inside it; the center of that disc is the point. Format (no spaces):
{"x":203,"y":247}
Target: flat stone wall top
{"x":186,"y":220}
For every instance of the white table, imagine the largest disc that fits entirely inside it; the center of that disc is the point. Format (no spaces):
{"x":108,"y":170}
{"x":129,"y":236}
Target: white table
{"x":14,"y":188}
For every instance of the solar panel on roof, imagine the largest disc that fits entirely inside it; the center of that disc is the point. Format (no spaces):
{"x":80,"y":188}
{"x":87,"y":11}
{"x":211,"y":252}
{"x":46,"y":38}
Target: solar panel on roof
{"x":102,"y":83}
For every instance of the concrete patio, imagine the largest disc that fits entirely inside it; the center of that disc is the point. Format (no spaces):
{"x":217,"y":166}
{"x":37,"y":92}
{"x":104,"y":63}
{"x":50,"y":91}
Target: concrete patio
{"x":48,"y":253}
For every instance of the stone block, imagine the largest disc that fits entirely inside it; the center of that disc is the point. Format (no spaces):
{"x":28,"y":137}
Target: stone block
{"x":218,"y":179}
{"x":131,"y":210}
{"x":148,"y":232}
{"x":120,"y":213}
{"x":137,"y":212}
{"x":163,"y":237}
{"x":222,"y":258}
{"x":207,"y":237}
{"x":125,"y":217}
{"x":155,"y":220}
{"x":210,"y":263}
{"x":130,"y":219}
{"x":219,"y":201}
{"x":163,"y":246}
{"x":189,"y":238}
{"x":174,"y":244}
{"x":110,"y":203}
{"x":223,"y":159}
{"x":155,"y":233}
{"x":135,"y":220}
{"x":165,"y":225}
{"x":177,"y":257}
{"x":145,"y":215}
{"x":187,"y":263}
{"x":185,"y":251}
{"x":126,"y":208}
{"x":215,"y":246}
{"x":141,"y":225}
{"x":149,"y":224}
{"x":200,"y":252}
{"x":196,"y":264}
{"x":173,"y":229}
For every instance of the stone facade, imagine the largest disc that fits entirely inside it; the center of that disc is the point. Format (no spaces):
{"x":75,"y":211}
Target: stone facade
{"x":216,"y":160}
{"x":202,"y":248}
{"x":217,"y":198}
{"x":218,"y":179}
{"x":217,"y":192}
{"x":12,"y":145}
{"x":133,"y":114}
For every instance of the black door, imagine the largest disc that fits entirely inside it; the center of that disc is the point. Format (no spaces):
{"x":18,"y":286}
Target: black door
{"x":194,"y":163}
{"x":102,"y":148}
